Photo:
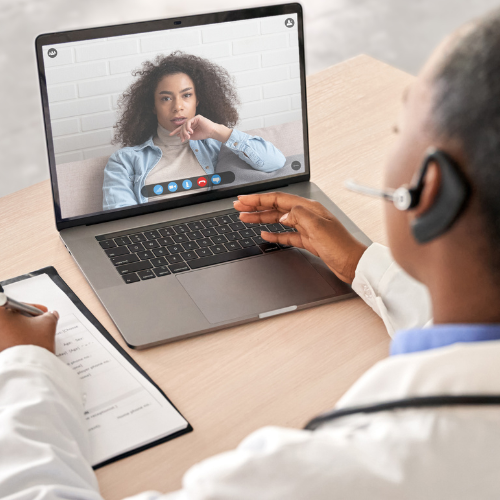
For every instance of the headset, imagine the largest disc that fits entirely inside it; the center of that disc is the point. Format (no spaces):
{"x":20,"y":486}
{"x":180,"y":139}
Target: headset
{"x":451,"y":199}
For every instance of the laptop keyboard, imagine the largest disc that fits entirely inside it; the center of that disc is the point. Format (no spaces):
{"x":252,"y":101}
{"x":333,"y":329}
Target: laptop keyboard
{"x":156,"y":251}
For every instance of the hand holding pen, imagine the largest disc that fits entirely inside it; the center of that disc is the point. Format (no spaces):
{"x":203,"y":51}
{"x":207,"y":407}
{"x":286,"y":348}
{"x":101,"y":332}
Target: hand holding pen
{"x":26,"y":324}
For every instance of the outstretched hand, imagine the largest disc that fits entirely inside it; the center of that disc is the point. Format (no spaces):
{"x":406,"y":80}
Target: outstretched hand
{"x":199,"y":128}
{"x":17,"y":329}
{"x":318,"y":230}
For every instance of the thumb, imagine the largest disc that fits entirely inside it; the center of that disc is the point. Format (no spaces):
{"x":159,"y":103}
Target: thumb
{"x":301,"y":218}
{"x":47,"y":322}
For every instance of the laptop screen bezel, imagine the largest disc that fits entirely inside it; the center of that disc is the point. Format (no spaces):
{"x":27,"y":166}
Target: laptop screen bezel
{"x":159,"y":25}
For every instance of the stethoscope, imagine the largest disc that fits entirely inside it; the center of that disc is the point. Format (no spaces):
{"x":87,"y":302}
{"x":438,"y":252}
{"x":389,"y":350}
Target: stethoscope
{"x":402,"y":404}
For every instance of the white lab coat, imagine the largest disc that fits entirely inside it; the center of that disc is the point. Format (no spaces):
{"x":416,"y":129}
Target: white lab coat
{"x":444,"y":453}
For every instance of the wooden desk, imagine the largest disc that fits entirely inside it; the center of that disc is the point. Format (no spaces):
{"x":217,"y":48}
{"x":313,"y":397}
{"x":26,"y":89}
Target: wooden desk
{"x":281,"y":371}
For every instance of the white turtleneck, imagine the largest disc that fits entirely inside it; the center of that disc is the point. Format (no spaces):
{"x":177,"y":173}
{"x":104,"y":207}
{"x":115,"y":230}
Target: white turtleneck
{"x":177,"y":162}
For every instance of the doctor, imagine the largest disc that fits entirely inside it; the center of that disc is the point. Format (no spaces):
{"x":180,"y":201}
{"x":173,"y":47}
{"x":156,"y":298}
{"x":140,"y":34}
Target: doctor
{"x":444,"y":233}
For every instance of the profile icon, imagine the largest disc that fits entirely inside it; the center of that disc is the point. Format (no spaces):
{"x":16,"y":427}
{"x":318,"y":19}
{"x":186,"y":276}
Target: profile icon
{"x":52,"y":53}
{"x":289,"y":22}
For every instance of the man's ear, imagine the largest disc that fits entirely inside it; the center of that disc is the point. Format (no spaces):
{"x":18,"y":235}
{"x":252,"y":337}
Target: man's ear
{"x":432,"y":183}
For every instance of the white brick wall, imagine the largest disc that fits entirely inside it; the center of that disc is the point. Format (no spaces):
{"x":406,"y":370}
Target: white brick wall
{"x":86,"y":79}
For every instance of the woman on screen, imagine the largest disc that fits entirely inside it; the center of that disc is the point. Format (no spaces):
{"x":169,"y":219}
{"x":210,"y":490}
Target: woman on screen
{"x":175,"y":118}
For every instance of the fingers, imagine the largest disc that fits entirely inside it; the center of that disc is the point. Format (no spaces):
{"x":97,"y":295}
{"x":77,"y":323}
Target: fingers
{"x":293,"y":239}
{"x":267,"y":217}
{"x":39,"y":306}
{"x":283,"y":202}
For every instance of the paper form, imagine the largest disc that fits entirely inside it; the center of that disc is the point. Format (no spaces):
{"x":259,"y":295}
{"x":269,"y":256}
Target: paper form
{"x":123,"y":410}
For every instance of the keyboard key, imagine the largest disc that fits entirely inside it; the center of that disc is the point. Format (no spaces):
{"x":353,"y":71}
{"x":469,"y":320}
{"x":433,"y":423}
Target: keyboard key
{"x":137,"y":238}
{"x":269,"y":247}
{"x":165,"y":241}
{"x":148,"y":254}
{"x":175,"y":249}
{"x":161,"y":261}
{"x":134,"y":267}
{"x":204,"y":252}
{"x":219,"y":239}
{"x":223,"y":229}
{"x":218,"y":249}
{"x":152,"y":235}
{"x":178,"y":268}
{"x":136,"y":247}
{"x":208,"y":223}
{"x":209,"y":232}
{"x":180,"y":238}
{"x":131,"y":278}
{"x":192,"y":245}
{"x":174,"y":259}
{"x":107,"y":244}
{"x":149,"y":245}
{"x":233,"y":236}
{"x":195,"y":235}
{"x":124,"y":259}
{"x":166,"y":231}
{"x":237,"y":226}
{"x":248,"y":233}
{"x":146,"y":275}
{"x":205,"y":242}
{"x":259,"y":240}
{"x":235,"y":217}
{"x":196,"y":226}
{"x":285,"y":246}
{"x":161,"y":271}
{"x":248,"y":242}
{"x":233,"y":245}
{"x":225,"y":257}
{"x":249,"y":225}
{"x":223,"y":219}
{"x":160,"y":252}
{"x":189,"y":255}
{"x":274,"y":228}
{"x":181,"y":228}
{"x":114,"y":252}
{"x":124,"y":240}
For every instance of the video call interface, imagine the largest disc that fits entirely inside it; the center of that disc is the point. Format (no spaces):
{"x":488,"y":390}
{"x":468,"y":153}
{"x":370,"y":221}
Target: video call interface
{"x":153,"y":116}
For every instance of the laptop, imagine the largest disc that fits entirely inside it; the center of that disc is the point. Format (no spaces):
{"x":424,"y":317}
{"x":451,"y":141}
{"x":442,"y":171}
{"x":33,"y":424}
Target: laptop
{"x":153,"y":128}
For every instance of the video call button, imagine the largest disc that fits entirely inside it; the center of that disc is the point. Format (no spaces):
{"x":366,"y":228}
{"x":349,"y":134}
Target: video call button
{"x":190,"y":184}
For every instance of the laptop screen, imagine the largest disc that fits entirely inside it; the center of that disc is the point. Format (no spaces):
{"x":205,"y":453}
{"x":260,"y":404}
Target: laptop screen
{"x":153,"y":116}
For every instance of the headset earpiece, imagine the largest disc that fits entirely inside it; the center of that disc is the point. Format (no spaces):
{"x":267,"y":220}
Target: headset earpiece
{"x":451,"y":199}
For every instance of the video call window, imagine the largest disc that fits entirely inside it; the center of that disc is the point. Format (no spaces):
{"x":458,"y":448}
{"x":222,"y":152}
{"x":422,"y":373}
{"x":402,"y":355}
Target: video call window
{"x":152,"y":116}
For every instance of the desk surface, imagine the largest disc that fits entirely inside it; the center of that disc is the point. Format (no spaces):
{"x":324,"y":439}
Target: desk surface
{"x":280,"y":371}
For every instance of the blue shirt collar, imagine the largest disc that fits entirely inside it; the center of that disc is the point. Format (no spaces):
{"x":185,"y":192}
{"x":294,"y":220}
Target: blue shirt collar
{"x":423,"y":339}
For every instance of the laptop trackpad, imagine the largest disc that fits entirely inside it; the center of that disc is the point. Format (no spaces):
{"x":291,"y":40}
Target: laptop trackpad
{"x":253,"y":286}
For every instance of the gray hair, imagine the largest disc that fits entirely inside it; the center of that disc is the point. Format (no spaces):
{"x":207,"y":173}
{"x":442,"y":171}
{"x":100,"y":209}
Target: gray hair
{"x":466,"y":108}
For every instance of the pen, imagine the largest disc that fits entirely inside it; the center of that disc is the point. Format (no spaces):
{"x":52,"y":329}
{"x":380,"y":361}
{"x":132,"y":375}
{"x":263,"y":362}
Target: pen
{"x":20,"y":307}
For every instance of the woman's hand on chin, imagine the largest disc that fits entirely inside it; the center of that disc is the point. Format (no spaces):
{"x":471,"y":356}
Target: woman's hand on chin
{"x":199,"y":128}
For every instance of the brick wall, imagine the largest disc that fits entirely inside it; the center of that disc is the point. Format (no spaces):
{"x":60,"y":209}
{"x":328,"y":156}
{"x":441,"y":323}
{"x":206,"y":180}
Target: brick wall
{"x":85,"y":79}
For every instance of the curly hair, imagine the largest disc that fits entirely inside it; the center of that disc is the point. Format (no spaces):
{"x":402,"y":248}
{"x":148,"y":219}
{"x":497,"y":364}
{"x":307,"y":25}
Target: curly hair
{"x":214,"y":90}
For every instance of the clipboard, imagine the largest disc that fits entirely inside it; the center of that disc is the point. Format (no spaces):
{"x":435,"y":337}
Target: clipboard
{"x":56,"y":278}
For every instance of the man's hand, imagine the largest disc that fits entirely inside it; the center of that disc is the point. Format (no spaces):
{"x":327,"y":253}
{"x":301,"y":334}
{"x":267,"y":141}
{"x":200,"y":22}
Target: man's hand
{"x":319,"y":231}
{"x":16,"y":329}
{"x":199,"y":128}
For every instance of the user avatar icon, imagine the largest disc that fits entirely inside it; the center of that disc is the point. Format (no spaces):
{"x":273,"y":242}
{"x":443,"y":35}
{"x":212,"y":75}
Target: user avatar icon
{"x":172,"y":187}
{"x":158,"y":189}
{"x":289,"y":22}
{"x":187,"y":184}
{"x":216,"y":179}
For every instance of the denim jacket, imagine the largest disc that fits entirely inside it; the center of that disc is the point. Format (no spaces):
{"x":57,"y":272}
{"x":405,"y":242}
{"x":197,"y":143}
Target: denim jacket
{"x":127,"y":168}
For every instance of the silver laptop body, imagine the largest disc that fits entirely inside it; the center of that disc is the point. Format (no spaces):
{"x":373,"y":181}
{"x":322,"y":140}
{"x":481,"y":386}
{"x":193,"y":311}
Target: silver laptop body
{"x":175,"y":261}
